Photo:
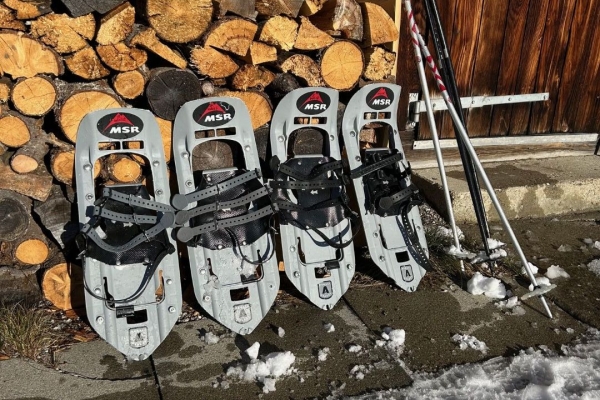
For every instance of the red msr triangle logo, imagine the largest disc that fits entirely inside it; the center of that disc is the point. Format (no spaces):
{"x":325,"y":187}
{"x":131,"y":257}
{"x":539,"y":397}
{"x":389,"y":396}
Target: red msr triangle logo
{"x":212,"y":107}
{"x":314,"y":97}
{"x":380,"y":93}
{"x":119,"y":119}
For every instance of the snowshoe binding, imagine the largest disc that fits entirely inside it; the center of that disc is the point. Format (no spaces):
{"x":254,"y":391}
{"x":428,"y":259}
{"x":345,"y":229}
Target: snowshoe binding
{"x":131,"y":271}
{"x":308,"y":186}
{"x":226,"y":210}
{"x":387,"y":199}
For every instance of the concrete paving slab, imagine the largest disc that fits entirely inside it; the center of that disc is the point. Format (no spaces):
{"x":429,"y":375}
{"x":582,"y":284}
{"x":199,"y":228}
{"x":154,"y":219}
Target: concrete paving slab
{"x":187,"y":366}
{"x":525,"y":188}
{"x":22,"y":379}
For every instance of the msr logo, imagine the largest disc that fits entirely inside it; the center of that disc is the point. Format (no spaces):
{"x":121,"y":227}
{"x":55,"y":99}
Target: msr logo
{"x":380,"y":98}
{"x":313,"y":103}
{"x":214,"y":113}
{"x":120,"y":125}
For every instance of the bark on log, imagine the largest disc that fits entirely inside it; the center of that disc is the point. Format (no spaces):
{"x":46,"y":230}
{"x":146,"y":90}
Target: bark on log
{"x":146,"y":38}
{"x":179,"y":21}
{"x":116,"y":25}
{"x":8,"y":19}
{"x":130,"y":84}
{"x":340,"y":18}
{"x":59,"y":216}
{"x":212,"y":63}
{"x":34,"y":96}
{"x":271,"y":8}
{"x":62,"y":285}
{"x":79,"y":7}
{"x":260,"y":53}
{"x":121,"y":57}
{"x":282,"y":85}
{"x":243,"y":8}
{"x":311,"y":7}
{"x":6,"y":85}
{"x":342,"y":65}
{"x":15,"y":210}
{"x":169,"y":88}
{"x":379,"y":27}
{"x":234,"y":35}
{"x":29,"y":248}
{"x":31,"y":156}
{"x":63,"y":33}
{"x":252,"y":77}
{"x":379,"y":63}
{"x":36,"y":185}
{"x":303,"y":67}
{"x":280,"y":32}
{"x":17,"y":129}
{"x":22,"y":56}
{"x":29,"y":9}
{"x":258,"y":104}
{"x":310,"y":37}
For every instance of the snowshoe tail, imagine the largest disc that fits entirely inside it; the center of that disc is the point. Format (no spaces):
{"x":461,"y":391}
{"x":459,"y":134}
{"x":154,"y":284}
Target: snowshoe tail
{"x":131,"y":271}
{"x":387,"y":200}
{"x":226,"y":212}
{"x":309,"y":191}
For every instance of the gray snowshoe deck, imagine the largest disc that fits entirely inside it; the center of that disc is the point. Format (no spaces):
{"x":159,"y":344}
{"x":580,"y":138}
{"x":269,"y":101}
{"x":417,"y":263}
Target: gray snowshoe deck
{"x":309,"y":190}
{"x":387,"y":200}
{"x":131,"y":271}
{"x":226,"y":210}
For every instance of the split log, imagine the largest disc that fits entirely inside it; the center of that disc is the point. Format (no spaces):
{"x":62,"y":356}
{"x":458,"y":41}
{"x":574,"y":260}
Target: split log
{"x":379,"y":27}
{"x":121,"y":57}
{"x":22,"y":56}
{"x":86,"y":64}
{"x":258,"y":104}
{"x":63,"y":33}
{"x":130,"y":84}
{"x":76,"y":100}
{"x":282,"y":85}
{"x":179,"y":21}
{"x":305,"y":68}
{"x":342,"y":65}
{"x":246,"y":8}
{"x":379,"y":63}
{"x":34,"y":96}
{"x":17,"y":129}
{"x":116,"y":25}
{"x":79,"y":7}
{"x":36,"y":185}
{"x":310,"y":37}
{"x":31,"y":156}
{"x":260,"y":53}
{"x":62,"y":285}
{"x":8,"y":20}
{"x":169,"y":88}
{"x":15,"y":210}
{"x":29,"y":9}
{"x":340,"y":18}
{"x":252,"y":77}
{"x":233,"y":35}
{"x":271,"y":8}
{"x":62,"y":166}
{"x":212,"y":63}
{"x":146,"y":38}
{"x":122,"y":169}
{"x":59,"y":216}
{"x":280,"y":32}
{"x":311,"y":7}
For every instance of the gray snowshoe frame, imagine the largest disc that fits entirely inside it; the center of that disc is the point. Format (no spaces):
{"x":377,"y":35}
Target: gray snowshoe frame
{"x":322,"y":272}
{"x":396,"y":241}
{"x":217,"y":272}
{"x":121,"y":298}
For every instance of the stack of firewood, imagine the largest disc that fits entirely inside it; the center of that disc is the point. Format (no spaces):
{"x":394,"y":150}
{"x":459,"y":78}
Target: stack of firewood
{"x":60,"y":60}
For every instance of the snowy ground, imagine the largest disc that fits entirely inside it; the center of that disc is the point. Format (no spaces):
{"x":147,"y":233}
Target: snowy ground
{"x":572,"y":373}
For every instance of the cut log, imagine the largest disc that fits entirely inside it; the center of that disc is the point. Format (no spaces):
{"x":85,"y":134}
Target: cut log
{"x":6,"y":85}
{"x":62,"y":166}
{"x":179,"y":21}
{"x":34,"y":96}
{"x":244,"y":8}
{"x":29,"y":248}
{"x":29,"y":9}
{"x":280,"y":32}
{"x":169,"y":88}
{"x":252,"y":77}
{"x":121,"y":57}
{"x":212,"y":63}
{"x":63,"y":33}
{"x":62,"y":285}
{"x":146,"y":38}
{"x":36,"y":185}
{"x":16,"y":129}
{"x":340,"y":18}
{"x":342,"y":65}
{"x":59,"y":216}
{"x":379,"y":63}
{"x":22,"y":56}
{"x":130,"y":84}
{"x":166,"y":133}
{"x":15,"y":211}
{"x":258,"y":104}
{"x":260,"y":53}
{"x":116,"y":25}
{"x":31,"y":156}
{"x":305,"y":68}
{"x":122,"y":169}
{"x":79,"y":7}
{"x":271,"y":8}
{"x":86,"y":64}
{"x":310,"y":37}
{"x":77,"y":100}
{"x":8,"y":20}
{"x":233,"y":35}
{"x":379,"y":27}
{"x":311,"y":7}
{"x":282,"y":85}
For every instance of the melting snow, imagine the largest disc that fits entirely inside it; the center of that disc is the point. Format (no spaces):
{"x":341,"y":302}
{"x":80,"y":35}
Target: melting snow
{"x":541,"y":281}
{"x":565,"y":248}
{"x":458,"y":253}
{"x":252,"y":351}
{"x":280,"y":332}
{"x":494,"y":244}
{"x":354,"y":348}
{"x":467,"y":341}
{"x":534,"y":269}
{"x":556,"y":272}
{"x":323,"y":354}
{"x":447,"y":232}
{"x":491,"y":287}
{"x":210,"y":338}
{"x":329,"y":327}
{"x":594,"y":266}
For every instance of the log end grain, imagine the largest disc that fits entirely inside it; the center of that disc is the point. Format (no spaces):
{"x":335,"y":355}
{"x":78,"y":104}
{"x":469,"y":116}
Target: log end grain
{"x":34,"y":96}
{"x":280,"y":32}
{"x":212,"y":63}
{"x":22,"y":56}
{"x":116,"y":25}
{"x":233,"y":35}
{"x":179,"y":21}
{"x":32,"y":252}
{"x":342,"y":65}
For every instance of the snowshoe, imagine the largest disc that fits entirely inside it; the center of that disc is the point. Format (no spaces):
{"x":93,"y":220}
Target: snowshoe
{"x":131,"y":271}
{"x":315,"y":220}
{"x":387,"y":199}
{"x":226,"y":210}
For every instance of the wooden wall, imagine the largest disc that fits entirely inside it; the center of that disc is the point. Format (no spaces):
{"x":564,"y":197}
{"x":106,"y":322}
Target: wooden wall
{"x":503,"y":47}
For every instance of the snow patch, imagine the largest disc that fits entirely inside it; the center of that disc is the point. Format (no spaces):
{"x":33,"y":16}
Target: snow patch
{"x":565,"y":248}
{"x":597,"y":244}
{"x":447,"y":232}
{"x":594,"y":266}
{"x":467,"y":341}
{"x":494,"y":244}
{"x":323,"y":354}
{"x":509,"y":304}
{"x":210,"y":338}
{"x":556,"y":272}
{"x":534,"y":269}
{"x":252,"y":351}
{"x":280,"y":332}
{"x":354,"y":348}
{"x":541,"y":281}
{"x":491,"y":287}
{"x":458,"y":253}
{"x":329,"y":328}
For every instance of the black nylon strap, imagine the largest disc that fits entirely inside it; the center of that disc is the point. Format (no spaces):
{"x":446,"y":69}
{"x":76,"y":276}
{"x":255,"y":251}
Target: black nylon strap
{"x":288,"y":205}
{"x":135,"y":201}
{"x":120,"y":217}
{"x":365,"y":170}
{"x":315,"y":173}
{"x":411,"y":238}
{"x":295,"y":185}
{"x":388,"y":202}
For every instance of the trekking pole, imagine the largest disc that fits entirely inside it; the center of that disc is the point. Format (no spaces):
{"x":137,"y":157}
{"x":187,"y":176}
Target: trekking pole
{"x":448,"y":76}
{"x":417,"y":40}
{"x":438,"y":151}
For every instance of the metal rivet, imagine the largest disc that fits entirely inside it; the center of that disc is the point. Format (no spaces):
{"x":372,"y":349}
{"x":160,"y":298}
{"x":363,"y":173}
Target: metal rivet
{"x":100,"y":320}
{"x":296,"y":274}
{"x":349,"y":266}
{"x":243,"y":242}
{"x":208,"y":179}
{"x":87,"y":167}
{"x":97,"y":290}
{"x":327,"y":224}
{"x":331,"y":137}
{"x":185,"y":155}
{"x":271,"y":286}
{"x":376,"y":234}
{"x":159,"y":192}
{"x":206,"y":298}
{"x":142,"y":357}
{"x":280,"y":139}
{"x":202,"y":271}
{"x":220,"y":247}
{"x":188,"y":183}
{"x":381,"y":258}
{"x":169,"y":281}
{"x":146,"y":260}
{"x":172,"y":309}
{"x":118,"y":262}
{"x":292,"y":249}
{"x":247,"y":148}
{"x":357,"y":158}
{"x":89,"y":196}
{"x":155,"y":163}
{"x":353,"y":134}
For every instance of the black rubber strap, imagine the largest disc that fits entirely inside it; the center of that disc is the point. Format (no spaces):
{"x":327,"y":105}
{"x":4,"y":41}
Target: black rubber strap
{"x":411,"y":238}
{"x":296,"y":185}
{"x":315,"y":173}
{"x":120,"y":217}
{"x":367,"y":169}
{"x":403,"y":195}
{"x":329,"y":241}
{"x":108,"y":193}
{"x":165,"y":222}
{"x":288,"y":205}
{"x":186,"y":233}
